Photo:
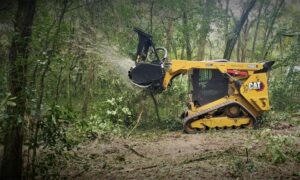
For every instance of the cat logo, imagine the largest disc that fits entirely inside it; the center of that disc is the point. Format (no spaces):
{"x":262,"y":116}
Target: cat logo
{"x":256,"y":85}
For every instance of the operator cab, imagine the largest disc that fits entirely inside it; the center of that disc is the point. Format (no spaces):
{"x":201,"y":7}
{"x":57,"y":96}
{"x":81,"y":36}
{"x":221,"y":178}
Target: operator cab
{"x":208,"y":85}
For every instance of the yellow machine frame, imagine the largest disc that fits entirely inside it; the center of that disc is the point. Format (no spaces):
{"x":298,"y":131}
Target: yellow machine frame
{"x":246,"y":98}
{"x":253,"y":101}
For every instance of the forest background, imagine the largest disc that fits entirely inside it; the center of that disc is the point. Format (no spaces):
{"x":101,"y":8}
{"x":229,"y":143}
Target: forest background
{"x":63,"y":68}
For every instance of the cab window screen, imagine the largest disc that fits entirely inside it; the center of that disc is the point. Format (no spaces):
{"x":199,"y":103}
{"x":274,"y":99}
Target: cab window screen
{"x":208,"y":85}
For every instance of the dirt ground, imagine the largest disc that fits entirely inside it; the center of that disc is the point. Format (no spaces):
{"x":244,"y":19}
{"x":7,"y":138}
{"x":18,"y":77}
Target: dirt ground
{"x":174,"y":155}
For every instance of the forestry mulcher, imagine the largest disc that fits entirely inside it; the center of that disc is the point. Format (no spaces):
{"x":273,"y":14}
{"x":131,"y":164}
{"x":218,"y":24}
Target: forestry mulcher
{"x":224,"y":94}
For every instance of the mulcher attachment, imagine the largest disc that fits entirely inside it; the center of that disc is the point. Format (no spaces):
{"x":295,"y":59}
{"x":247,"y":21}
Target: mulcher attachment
{"x":146,"y":74}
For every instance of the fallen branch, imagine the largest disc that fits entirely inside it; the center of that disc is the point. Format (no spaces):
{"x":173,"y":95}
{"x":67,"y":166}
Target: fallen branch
{"x":143,"y":168}
{"x":137,"y":122}
{"x":134,"y":151}
{"x":78,"y":174}
{"x":155,"y":106}
{"x":205,"y":157}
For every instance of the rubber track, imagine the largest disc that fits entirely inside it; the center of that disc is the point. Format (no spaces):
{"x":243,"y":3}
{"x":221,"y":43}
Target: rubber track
{"x":190,"y":119}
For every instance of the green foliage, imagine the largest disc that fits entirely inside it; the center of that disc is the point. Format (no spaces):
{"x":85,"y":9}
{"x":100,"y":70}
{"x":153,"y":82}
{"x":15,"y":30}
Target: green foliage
{"x":283,"y":95}
{"x":54,"y":126}
{"x":171,"y":104}
{"x":51,"y":164}
{"x":239,"y":166}
{"x":284,"y":86}
{"x":109,"y":117}
{"x":277,"y":146}
{"x":296,"y":156}
{"x":102,"y":126}
{"x":77,"y":73}
{"x":5,"y":100}
{"x":274,"y":119}
{"x":279,"y":94}
{"x":116,"y":111}
{"x":55,"y":140}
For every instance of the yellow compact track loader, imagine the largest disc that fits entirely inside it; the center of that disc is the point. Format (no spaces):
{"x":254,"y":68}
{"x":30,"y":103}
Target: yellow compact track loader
{"x":224,"y":94}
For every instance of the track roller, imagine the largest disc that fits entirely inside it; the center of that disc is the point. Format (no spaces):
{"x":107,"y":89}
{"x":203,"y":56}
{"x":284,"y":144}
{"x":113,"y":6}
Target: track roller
{"x":233,"y":111}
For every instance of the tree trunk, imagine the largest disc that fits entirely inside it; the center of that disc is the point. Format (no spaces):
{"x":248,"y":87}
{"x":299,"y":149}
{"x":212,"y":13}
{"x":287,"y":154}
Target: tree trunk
{"x":231,"y":41}
{"x":182,"y":51}
{"x":58,"y":85}
{"x":40,"y":97}
{"x":244,"y":44}
{"x":12,"y":161}
{"x":238,"y":47}
{"x":155,"y":106}
{"x":186,"y":35}
{"x":175,"y":51}
{"x":269,"y":28}
{"x":210,"y":49}
{"x":151,"y":16}
{"x":201,"y":49}
{"x":205,"y":28}
{"x":226,"y":20}
{"x":256,"y":28}
{"x":87,"y":89}
{"x":187,"y":44}
{"x":169,"y":32}
{"x":244,"y":47}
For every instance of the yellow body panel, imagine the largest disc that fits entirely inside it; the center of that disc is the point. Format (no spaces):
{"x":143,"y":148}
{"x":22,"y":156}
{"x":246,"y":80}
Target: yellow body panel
{"x":183,"y":66}
{"x":259,"y":99}
{"x":220,"y":122}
